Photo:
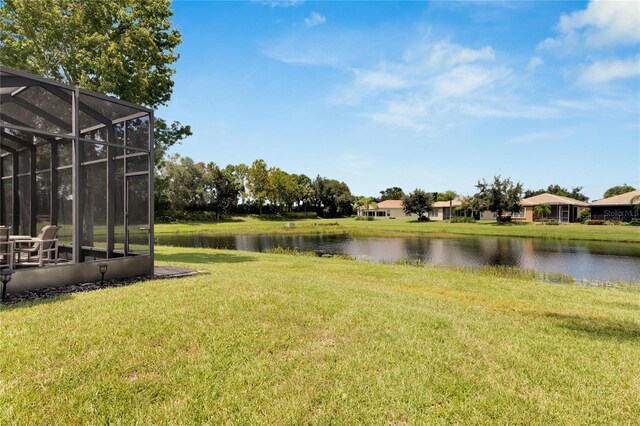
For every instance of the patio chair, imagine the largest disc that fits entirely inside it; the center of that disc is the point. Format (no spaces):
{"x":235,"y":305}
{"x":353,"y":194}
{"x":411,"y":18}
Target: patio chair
{"x":6,"y":248}
{"x":43,"y":248}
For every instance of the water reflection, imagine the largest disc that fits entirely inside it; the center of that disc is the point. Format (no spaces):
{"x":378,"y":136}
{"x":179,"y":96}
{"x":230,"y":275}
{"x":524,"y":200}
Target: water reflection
{"x":581,"y":259}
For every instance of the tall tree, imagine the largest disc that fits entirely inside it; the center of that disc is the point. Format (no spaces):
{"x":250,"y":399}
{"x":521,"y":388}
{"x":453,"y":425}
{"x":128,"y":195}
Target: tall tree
{"x":122,"y":48}
{"x":393,"y":193}
{"x":258,"y":180}
{"x":222,"y":189}
{"x":501,"y":196}
{"x":331,"y":197}
{"x":185,"y":183}
{"x":418,"y":202}
{"x":618,"y":190}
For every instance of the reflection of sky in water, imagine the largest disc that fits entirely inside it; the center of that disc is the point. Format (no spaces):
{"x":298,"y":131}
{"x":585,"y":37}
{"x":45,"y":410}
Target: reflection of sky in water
{"x":593,"y":260}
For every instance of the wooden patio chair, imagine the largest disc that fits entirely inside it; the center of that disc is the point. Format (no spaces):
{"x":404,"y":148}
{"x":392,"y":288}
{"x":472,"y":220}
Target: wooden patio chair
{"x":43,"y":248}
{"x":6,"y":248}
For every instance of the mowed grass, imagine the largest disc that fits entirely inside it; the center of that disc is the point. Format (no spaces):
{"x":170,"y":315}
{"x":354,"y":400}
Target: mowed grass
{"x":280,"y":339}
{"x":253,"y":225}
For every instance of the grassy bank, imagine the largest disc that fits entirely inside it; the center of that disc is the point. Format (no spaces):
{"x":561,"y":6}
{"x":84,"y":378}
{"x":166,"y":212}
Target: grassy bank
{"x":404,"y":227}
{"x":272,"y":338}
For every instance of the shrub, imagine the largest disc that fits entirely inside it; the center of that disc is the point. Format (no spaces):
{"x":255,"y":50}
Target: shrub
{"x":584,"y":215}
{"x":613,"y":222}
{"x":595,"y":222}
{"x":365,"y":218}
{"x":635,"y":222}
{"x":504,"y":219}
{"x":550,"y":222}
{"x":390,"y":217}
{"x":462,"y":220}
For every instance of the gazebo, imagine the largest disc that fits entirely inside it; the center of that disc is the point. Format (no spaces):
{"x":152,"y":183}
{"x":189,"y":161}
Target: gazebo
{"x":76,"y":183}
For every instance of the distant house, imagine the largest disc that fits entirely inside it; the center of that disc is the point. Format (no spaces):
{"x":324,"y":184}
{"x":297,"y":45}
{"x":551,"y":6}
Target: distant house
{"x":441,"y":210}
{"x":563,"y":209}
{"x":623,"y":207}
{"x":386,"y":208}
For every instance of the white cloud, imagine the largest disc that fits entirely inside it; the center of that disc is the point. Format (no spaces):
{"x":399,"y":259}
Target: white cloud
{"x":279,"y":3}
{"x":465,"y":80}
{"x":603,"y":23}
{"x":603,"y":71}
{"x":314,"y":19}
{"x":535,"y":62}
{"x":378,"y":79}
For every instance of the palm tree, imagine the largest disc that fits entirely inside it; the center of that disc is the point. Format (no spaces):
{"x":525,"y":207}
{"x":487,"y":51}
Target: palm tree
{"x":448,"y":196}
{"x":542,"y":210}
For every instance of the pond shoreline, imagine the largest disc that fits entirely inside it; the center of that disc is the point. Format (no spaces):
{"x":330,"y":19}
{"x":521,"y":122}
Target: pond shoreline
{"x":604,"y":261}
{"x":403,"y":228}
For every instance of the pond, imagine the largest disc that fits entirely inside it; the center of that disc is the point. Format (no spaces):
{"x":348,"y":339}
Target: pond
{"x":604,"y":261}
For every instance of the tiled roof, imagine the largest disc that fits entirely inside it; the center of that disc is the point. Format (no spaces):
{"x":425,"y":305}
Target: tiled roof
{"x":618,"y":200}
{"x":552,"y":199}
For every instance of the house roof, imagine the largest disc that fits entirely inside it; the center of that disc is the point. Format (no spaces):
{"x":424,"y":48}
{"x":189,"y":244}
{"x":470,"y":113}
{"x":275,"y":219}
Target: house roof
{"x":386,"y":204}
{"x":552,"y":200}
{"x":454,"y":203}
{"x":391,"y":204}
{"x":618,"y":200}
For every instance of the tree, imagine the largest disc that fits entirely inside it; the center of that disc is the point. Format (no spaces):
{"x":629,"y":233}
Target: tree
{"x":258,"y":182}
{"x":618,"y":190}
{"x":393,"y":193}
{"x":165,"y":137}
{"x":281,"y":189}
{"x":556,"y":189}
{"x":331,"y":197}
{"x":501,"y":196}
{"x":221,"y":189}
{"x":418,"y":202}
{"x":125,"y":49}
{"x":304,"y":192}
{"x":448,"y":196}
{"x":185,"y":183}
{"x":365,"y":202}
{"x":542,"y":210}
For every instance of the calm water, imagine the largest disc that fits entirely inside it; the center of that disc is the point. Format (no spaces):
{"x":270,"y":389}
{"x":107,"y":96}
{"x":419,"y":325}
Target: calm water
{"x":590,"y":260}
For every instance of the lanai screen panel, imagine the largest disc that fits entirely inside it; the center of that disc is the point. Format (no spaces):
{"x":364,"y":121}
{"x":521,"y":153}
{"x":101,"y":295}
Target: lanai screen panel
{"x":67,"y":154}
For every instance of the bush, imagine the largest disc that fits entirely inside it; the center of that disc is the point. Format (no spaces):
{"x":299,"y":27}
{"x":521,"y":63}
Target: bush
{"x":550,"y":222}
{"x":584,"y":216}
{"x":595,"y":222}
{"x":365,"y":218}
{"x":390,"y":217}
{"x":635,"y":222}
{"x":504,"y":219}
{"x":462,"y":220}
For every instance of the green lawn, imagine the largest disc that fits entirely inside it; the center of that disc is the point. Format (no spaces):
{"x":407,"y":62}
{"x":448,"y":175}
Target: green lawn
{"x":249,"y":225}
{"x":280,"y":339}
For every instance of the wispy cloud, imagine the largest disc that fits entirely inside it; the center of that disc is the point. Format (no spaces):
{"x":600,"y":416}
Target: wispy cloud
{"x":604,"y":71}
{"x":315,"y":19}
{"x":279,"y":3}
{"x":535,"y":62}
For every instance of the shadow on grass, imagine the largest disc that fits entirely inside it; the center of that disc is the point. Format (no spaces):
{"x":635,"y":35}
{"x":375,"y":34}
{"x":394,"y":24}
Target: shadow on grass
{"x":25,"y":304}
{"x":204,"y":258}
{"x":596,"y":327}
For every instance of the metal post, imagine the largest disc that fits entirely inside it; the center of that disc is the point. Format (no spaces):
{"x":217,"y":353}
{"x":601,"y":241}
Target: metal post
{"x":151,"y":188}
{"x":76,"y":177}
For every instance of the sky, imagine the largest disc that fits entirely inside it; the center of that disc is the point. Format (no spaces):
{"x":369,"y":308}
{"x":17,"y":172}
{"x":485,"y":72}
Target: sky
{"x":431,"y":95}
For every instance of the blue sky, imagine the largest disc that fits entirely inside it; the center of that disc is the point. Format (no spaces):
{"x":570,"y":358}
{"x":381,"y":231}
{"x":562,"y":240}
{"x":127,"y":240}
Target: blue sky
{"x":431,"y":95}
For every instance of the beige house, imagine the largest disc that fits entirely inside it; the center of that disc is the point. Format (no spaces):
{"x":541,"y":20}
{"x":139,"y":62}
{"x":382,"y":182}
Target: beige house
{"x":563,"y":209}
{"x":441,"y":210}
{"x":386,"y":208}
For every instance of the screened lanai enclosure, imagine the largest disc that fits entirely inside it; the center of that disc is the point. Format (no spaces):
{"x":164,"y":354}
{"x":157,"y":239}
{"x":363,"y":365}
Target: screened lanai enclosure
{"x":76,"y":183}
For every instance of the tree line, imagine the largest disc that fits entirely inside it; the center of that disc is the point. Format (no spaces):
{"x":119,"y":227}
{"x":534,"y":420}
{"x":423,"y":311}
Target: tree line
{"x":185,"y":189}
